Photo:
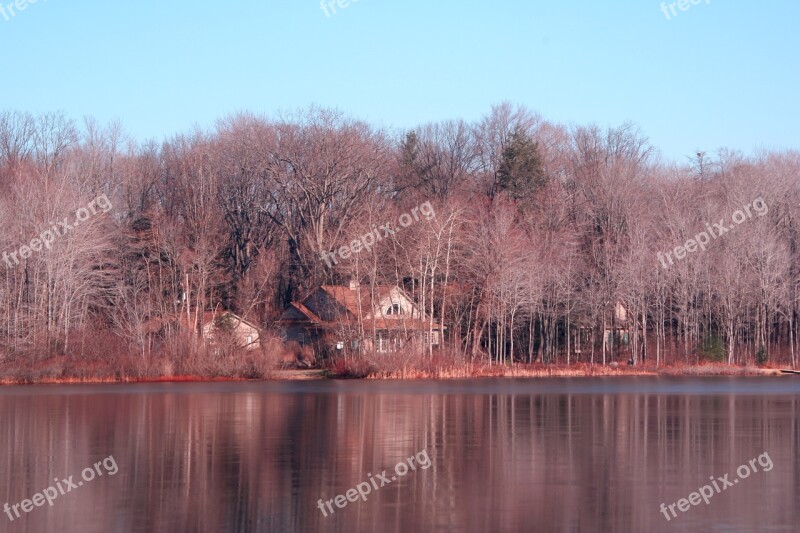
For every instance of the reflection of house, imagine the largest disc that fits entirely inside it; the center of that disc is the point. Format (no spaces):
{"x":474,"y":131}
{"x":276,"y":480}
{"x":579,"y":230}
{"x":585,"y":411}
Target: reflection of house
{"x":359,"y":318}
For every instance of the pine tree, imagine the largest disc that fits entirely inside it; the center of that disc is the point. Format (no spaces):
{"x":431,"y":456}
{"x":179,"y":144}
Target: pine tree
{"x":521,"y":171}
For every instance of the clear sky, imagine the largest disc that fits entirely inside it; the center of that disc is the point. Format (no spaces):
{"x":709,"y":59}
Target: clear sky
{"x":720,"y":74}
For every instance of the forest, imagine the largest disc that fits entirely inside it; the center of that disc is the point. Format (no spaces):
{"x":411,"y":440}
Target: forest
{"x":548,"y":246}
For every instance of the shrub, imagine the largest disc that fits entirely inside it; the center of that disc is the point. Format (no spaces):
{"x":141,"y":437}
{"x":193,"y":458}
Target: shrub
{"x":713,"y":350}
{"x":351,"y":367}
{"x":762,"y":356}
{"x":295,"y":355}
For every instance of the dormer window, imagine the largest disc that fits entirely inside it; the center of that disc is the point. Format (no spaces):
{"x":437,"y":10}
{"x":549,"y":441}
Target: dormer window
{"x":394,"y":309}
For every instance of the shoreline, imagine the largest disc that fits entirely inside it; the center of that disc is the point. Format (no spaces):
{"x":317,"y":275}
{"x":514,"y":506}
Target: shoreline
{"x":484,"y":372}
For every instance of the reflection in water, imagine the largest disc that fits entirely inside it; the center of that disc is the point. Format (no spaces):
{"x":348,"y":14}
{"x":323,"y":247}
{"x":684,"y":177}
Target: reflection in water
{"x":507,"y":455}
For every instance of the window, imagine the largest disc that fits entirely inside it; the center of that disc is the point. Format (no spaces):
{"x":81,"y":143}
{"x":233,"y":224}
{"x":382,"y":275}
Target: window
{"x":394,"y":309}
{"x":433,"y":340}
{"x":381,"y":343}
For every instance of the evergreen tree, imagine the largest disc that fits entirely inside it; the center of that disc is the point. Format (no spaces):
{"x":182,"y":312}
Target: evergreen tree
{"x":521,"y":171}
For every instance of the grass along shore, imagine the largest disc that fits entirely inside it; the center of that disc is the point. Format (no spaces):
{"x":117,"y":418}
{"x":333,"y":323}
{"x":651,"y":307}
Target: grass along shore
{"x":61,"y":372}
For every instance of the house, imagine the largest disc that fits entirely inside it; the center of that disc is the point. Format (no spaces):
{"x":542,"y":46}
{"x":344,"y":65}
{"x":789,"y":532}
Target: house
{"x":619,"y":333}
{"x":229,"y":326}
{"x":615,"y":331}
{"x":359,"y":319}
{"x":222,"y":327}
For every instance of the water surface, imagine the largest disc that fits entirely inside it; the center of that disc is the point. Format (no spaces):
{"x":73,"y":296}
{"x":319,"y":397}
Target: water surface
{"x":588,"y":454}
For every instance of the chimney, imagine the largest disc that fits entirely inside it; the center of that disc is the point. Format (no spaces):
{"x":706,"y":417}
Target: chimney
{"x":354,"y":285}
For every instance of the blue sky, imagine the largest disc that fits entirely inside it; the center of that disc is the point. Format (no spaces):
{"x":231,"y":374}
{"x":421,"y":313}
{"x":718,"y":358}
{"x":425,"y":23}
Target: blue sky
{"x":721,"y":74}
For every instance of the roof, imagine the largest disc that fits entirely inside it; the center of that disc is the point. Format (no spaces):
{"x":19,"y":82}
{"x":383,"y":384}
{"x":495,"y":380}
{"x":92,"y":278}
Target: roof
{"x":306,"y":312}
{"x":349,"y":298}
{"x":357,"y":302}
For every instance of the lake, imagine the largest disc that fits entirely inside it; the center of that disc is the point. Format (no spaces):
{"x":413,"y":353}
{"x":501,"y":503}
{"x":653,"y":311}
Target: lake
{"x":583,"y":454}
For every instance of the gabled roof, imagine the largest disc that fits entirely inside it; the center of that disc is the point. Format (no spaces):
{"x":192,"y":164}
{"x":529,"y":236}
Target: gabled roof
{"x":349,"y":298}
{"x":306,"y":312}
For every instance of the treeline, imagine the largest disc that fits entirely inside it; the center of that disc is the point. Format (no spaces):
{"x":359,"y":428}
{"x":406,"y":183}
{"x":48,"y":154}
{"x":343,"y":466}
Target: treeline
{"x":544,"y":246}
